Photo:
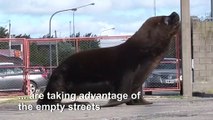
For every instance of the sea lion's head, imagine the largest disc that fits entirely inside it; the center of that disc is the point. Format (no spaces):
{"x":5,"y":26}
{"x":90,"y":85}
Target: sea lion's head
{"x":172,"y":23}
{"x":159,"y":28}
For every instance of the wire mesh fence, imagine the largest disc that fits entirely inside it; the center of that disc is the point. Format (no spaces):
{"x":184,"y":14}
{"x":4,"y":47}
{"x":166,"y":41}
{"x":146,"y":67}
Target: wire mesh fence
{"x":43,"y":55}
{"x":12,"y":77}
{"x":167,"y":75}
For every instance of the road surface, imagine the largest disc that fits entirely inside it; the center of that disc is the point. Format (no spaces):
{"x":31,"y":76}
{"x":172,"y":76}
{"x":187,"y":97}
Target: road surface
{"x":163,"y":108}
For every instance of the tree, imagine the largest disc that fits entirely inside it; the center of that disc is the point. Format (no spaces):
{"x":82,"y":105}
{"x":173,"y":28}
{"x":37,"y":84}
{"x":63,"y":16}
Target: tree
{"x":65,"y":49}
{"x":78,"y":34}
{"x":37,"y":56}
{"x":3,"y":32}
{"x":89,"y":44}
{"x":23,"y":36}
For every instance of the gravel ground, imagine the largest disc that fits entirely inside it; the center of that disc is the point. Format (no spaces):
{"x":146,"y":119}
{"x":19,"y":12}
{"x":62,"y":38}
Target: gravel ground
{"x":163,"y":108}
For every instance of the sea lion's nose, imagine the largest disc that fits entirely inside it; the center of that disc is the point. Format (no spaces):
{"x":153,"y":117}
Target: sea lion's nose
{"x":173,"y":14}
{"x":174,"y":17}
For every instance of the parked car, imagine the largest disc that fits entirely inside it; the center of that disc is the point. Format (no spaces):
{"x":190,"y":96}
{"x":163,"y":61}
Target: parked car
{"x":12,"y":78}
{"x":166,"y":75}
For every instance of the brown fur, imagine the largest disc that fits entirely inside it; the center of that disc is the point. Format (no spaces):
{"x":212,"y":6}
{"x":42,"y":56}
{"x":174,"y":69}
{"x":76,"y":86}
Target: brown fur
{"x":119,"y":69}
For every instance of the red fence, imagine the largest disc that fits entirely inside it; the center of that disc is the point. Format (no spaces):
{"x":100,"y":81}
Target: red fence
{"x":38,"y":57}
{"x":168,"y":75}
{"x":13,"y":66}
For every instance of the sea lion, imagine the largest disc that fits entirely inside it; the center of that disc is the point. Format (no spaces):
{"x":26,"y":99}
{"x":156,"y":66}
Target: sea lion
{"x":119,"y":69}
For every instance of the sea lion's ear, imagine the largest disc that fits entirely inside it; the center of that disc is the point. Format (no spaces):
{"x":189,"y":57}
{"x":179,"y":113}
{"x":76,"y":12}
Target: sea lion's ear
{"x":166,"y":20}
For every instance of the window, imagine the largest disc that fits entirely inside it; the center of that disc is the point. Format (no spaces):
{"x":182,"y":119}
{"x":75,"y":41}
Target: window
{"x":166,"y":66}
{"x":2,"y":71}
{"x":18,"y":70}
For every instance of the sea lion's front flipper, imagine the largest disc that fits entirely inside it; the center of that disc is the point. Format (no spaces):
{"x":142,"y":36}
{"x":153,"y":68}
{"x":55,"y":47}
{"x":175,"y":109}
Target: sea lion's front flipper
{"x":113,"y":102}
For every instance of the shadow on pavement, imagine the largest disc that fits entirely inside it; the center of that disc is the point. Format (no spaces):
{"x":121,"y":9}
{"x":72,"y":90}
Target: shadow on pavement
{"x":172,"y":93}
{"x":202,"y":94}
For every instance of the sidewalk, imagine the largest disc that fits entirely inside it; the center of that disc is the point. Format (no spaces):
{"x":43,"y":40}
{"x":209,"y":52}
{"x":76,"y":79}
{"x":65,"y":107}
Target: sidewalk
{"x":163,"y":108}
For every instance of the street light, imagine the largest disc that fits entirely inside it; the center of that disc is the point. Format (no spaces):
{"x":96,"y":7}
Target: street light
{"x":73,"y":15}
{"x":72,"y":9}
{"x":107,"y":30}
{"x":50,"y":22}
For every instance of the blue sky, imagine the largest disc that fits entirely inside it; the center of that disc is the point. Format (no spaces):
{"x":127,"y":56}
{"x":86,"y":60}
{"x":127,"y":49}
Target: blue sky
{"x":126,"y":16}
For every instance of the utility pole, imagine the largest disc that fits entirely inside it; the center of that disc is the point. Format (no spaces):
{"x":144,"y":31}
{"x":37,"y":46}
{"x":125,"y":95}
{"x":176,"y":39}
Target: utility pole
{"x":9,"y":36}
{"x":55,"y":34}
{"x":9,"y":31}
{"x":70,"y":29}
{"x":186,"y":48}
{"x":211,"y":9}
{"x":154,"y":7}
{"x":73,"y":22}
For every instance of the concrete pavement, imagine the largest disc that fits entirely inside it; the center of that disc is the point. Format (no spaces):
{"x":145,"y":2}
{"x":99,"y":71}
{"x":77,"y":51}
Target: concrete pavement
{"x":163,"y":108}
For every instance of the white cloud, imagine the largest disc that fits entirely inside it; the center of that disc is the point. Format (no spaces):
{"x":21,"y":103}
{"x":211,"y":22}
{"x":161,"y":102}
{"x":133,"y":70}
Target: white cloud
{"x":200,"y":8}
{"x":32,"y":16}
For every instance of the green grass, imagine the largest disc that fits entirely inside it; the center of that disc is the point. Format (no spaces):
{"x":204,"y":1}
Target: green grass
{"x":15,"y":99}
{"x":210,"y":91}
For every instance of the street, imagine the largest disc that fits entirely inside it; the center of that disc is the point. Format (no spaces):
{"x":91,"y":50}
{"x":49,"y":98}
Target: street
{"x":163,"y":108}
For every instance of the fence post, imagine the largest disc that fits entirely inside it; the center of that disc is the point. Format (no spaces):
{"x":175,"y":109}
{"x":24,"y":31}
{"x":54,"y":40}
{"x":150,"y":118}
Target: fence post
{"x":178,"y":68}
{"x":26,"y":65}
{"x":76,"y":45}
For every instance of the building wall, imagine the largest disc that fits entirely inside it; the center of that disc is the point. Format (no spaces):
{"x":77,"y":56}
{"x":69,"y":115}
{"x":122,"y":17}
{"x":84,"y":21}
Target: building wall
{"x":203,"y":56}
